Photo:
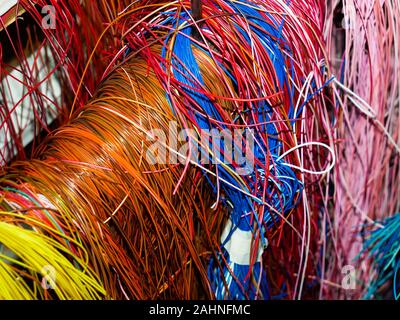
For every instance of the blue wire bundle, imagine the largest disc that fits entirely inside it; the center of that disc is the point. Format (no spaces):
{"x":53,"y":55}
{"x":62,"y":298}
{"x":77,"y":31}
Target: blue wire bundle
{"x":248,"y":279}
{"x":383,"y":245}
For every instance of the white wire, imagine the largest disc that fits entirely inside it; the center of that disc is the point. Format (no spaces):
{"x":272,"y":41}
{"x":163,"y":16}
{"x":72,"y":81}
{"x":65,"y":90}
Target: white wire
{"x":312,"y":143}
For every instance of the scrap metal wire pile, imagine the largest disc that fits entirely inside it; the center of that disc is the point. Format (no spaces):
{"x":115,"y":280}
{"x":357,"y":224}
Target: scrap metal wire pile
{"x":236,"y":149}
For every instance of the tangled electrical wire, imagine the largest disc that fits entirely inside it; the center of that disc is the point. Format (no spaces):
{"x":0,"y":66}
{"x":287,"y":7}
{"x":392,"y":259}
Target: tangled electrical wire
{"x":215,"y":149}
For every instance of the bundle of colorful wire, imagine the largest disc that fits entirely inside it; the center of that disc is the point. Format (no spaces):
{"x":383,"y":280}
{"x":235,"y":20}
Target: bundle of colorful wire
{"x":207,"y":153}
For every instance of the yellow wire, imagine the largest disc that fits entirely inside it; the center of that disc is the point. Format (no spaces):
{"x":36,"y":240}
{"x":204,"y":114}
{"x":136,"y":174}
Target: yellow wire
{"x":35,"y":252}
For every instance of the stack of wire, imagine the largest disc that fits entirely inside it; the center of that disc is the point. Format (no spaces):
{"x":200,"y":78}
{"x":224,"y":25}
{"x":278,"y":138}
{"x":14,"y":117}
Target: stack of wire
{"x":255,"y":194}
